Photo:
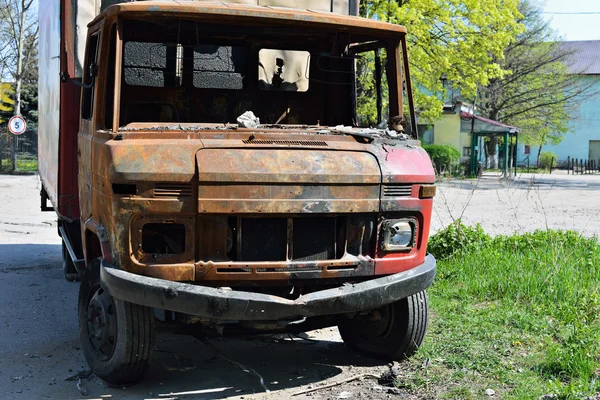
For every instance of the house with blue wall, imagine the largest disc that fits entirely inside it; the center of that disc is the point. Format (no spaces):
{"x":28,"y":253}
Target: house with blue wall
{"x":583,"y":139}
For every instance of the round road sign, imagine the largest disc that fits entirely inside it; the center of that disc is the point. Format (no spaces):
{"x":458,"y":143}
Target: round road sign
{"x":17,"y":125}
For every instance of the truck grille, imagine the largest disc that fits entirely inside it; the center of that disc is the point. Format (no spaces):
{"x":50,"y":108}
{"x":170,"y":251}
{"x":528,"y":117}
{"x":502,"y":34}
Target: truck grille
{"x":313,"y":239}
{"x":393,"y":190}
{"x":172,"y":190}
{"x":300,"y":239}
{"x":263,"y":239}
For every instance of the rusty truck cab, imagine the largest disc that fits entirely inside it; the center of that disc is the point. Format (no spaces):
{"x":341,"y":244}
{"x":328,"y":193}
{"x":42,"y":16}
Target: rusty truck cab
{"x":304,"y":216}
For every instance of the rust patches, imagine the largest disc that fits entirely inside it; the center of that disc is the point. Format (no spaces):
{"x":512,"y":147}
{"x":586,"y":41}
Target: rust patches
{"x":286,"y":166}
{"x":284,"y":271}
{"x":98,"y":230}
{"x":171,"y":272}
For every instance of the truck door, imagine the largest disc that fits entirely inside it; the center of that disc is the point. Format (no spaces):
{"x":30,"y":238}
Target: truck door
{"x":87,"y":125}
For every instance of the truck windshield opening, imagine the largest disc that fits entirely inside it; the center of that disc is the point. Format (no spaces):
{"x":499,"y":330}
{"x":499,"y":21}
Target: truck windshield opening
{"x":192,"y":72}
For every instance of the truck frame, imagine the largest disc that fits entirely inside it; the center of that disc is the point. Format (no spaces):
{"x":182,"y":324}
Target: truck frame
{"x":305,"y":220}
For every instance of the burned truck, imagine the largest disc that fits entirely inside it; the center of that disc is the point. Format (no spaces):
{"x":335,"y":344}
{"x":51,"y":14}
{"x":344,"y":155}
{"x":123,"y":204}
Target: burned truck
{"x":213,"y":163}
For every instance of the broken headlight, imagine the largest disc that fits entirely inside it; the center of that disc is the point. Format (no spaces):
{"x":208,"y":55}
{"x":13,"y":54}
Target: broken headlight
{"x":398,"y":234}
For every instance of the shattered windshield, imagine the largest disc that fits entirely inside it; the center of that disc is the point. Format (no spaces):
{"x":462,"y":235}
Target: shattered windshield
{"x":188,"y":72}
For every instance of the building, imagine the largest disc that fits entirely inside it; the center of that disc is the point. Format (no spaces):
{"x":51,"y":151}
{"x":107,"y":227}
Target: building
{"x":457,"y":127}
{"x":583,"y":139}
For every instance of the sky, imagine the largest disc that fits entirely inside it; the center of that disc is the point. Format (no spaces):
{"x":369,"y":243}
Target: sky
{"x":574,"y":26}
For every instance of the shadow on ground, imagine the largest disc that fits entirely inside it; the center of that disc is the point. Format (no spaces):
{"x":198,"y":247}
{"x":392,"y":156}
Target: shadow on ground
{"x":183,"y":364}
{"x":18,"y":257}
{"x":41,"y":346}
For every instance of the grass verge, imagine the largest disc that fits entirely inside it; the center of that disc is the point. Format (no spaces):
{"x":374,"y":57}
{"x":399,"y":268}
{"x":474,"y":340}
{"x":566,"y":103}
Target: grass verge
{"x":23,"y":165}
{"x":515,"y":314}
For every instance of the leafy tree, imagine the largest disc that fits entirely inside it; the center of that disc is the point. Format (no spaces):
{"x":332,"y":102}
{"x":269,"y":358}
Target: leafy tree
{"x":7,"y":104}
{"x":19,"y":37}
{"x":366,"y":91}
{"x":463,"y":40}
{"x":539,"y":95}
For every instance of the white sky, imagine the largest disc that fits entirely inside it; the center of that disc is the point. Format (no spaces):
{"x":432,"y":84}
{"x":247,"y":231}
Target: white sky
{"x":574,"y":26}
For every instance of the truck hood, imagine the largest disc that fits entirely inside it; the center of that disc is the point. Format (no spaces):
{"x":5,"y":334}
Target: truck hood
{"x":303,"y":173}
{"x":287,"y":181}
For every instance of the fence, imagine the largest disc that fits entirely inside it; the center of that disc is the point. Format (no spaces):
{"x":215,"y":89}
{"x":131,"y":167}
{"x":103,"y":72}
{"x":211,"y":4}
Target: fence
{"x":525,"y":164}
{"x":581,"y":166}
{"x":26,"y":151}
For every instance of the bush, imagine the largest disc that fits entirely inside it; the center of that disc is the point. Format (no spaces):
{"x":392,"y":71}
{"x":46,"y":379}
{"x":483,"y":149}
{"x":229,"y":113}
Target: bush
{"x":547,"y":159}
{"x":443,"y":156}
{"x":456,"y":237}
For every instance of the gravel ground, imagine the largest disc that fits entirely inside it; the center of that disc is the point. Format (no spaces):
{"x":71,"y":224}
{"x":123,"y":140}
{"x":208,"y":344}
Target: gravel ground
{"x":38,"y":328}
{"x":530,"y":202}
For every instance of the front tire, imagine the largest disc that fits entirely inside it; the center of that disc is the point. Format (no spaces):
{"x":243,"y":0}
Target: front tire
{"x":117,"y":337}
{"x":393,"y":332}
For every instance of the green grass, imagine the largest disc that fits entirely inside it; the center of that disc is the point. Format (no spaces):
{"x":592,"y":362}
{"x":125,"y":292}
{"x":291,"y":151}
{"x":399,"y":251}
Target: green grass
{"x":518,"y":314}
{"x":23,"y":165}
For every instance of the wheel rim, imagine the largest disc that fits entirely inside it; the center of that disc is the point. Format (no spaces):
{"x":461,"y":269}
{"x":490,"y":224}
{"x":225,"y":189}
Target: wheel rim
{"x":375,"y":326}
{"x":102,"y":323}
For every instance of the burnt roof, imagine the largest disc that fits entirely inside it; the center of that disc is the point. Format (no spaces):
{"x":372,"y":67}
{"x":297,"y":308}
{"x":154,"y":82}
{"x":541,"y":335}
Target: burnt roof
{"x":252,"y":14}
{"x":584,"y":58}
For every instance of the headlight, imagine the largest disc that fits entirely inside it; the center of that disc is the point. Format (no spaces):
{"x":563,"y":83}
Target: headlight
{"x":398,"y":234}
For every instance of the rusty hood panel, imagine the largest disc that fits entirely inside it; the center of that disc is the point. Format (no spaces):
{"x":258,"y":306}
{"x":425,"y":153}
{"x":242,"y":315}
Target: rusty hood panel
{"x":403,"y":163}
{"x":287,"y":181}
{"x":152,"y":160}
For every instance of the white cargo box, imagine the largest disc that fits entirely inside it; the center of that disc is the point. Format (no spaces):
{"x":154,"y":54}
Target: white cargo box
{"x":86,"y":10}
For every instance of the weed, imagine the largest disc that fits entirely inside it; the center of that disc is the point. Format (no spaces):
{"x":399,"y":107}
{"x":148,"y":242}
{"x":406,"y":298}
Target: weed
{"x":23,"y":165}
{"x":457,"y":237}
{"x":519,"y":314}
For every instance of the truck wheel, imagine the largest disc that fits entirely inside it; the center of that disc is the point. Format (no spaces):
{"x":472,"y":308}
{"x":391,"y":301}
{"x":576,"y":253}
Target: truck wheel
{"x":116,"y":336}
{"x":69,"y":269}
{"x":393,"y":332}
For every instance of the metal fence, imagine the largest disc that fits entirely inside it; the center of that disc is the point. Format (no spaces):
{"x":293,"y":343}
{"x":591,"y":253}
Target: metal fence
{"x":26,"y":151}
{"x":581,"y":166}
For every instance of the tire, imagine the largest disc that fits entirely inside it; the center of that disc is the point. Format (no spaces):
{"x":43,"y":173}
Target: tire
{"x":117,"y":337}
{"x":68,"y":266}
{"x":394,"y":332}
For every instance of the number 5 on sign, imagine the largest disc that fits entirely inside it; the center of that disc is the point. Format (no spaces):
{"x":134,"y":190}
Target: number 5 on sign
{"x":17,"y":125}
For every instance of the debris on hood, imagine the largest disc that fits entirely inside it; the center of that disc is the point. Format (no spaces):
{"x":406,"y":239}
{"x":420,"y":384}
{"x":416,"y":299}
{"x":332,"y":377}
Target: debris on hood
{"x":371,"y":133}
{"x":180,"y":127}
{"x":248,"y":120}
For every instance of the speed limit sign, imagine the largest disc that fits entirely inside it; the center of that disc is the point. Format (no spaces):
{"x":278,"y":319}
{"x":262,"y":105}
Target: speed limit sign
{"x":17,"y":125}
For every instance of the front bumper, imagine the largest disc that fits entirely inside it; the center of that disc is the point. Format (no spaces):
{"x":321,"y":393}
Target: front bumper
{"x":229,"y":304}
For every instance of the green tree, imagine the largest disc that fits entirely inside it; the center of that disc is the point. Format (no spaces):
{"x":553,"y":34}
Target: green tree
{"x":19,"y":36}
{"x":464,"y":40}
{"x":539,"y":95}
{"x":366,"y":91}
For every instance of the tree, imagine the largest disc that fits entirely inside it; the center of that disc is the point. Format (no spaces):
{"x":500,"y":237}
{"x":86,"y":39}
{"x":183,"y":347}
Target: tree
{"x":7,"y":105}
{"x":463,"y":40}
{"x":19,"y":33}
{"x":539,"y":95}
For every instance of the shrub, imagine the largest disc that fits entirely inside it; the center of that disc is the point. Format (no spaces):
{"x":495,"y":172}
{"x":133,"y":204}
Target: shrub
{"x":443,"y":156}
{"x":547,"y":158}
{"x":456,"y":237}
